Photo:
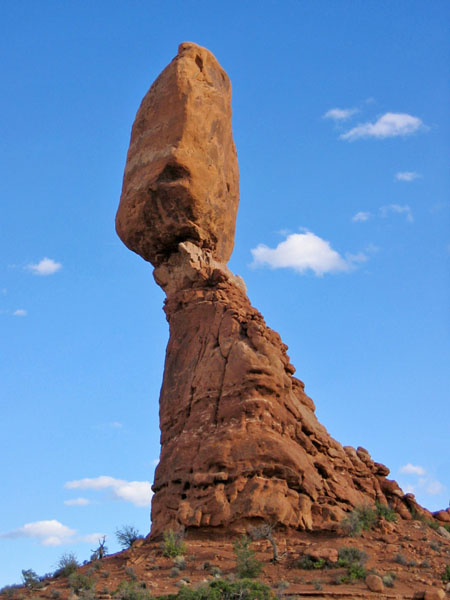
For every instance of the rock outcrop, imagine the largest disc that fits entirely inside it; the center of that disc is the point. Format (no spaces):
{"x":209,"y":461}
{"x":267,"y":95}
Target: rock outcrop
{"x":240,"y":441}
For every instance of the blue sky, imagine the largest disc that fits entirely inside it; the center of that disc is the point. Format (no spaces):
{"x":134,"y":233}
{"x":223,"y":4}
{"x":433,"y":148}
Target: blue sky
{"x":341,"y":122}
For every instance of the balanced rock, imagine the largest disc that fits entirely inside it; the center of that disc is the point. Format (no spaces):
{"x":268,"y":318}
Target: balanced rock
{"x":240,"y":442}
{"x":181,"y":178}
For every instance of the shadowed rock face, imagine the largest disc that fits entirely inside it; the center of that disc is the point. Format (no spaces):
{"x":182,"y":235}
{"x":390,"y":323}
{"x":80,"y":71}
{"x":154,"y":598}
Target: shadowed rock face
{"x":240,"y":440}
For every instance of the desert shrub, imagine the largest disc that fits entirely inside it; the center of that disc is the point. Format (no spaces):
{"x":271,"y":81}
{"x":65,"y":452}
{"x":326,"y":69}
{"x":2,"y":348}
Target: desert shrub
{"x":127,"y":535}
{"x":361,"y":518}
{"x":436,"y":546}
{"x":317,"y":584}
{"x":389,"y":579}
{"x":309,"y":562}
{"x":174,"y":572}
{"x":30,"y":579}
{"x":216,"y":571}
{"x":446,"y":574}
{"x":66,"y":565}
{"x":356,"y":571}
{"x":55,"y":594}
{"x":385,"y":511}
{"x":179,"y":562}
{"x":219,"y":589}
{"x":246,"y":564}
{"x":131,"y":573}
{"x":173,"y":543}
{"x":9,"y":590}
{"x":401,"y":559}
{"x":79,"y":582}
{"x":130,"y":590}
{"x":349,"y":555}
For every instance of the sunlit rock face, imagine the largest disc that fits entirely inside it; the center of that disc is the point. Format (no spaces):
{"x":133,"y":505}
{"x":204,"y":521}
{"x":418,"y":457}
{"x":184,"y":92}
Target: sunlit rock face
{"x":240,"y":441}
{"x":181,"y":180}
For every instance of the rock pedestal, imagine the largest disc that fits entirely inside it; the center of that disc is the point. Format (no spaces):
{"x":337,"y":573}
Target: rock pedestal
{"x":240,"y":442}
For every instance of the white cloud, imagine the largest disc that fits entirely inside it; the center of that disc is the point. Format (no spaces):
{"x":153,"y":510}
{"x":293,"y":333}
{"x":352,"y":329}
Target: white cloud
{"x":91,"y":538}
{"x":340,"y":114}
{"x":361,"y":217}
{"x":47,"y":266}
{"x":389,"y":125}
{"x":398,"y":209}
{"x":115,"y":425}
{"x":77,"y":502}
{"x":49,"y":533}
{"x":409,"y":489}
{"x":407,"y":175}
{"x":412,"y":469}
{"x":303,"y":251}
{"x":20,"y":312}
{"x":137,"y":492}
{"x":434,"y":487}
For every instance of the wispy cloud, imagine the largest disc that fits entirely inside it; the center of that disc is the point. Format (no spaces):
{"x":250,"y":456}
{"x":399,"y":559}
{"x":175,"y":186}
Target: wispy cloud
{"x":303,"y":252}
{"x":340,"y":114}
{"x":20,"y":312}
{"x":412,"y":469}
{"x":397,"y":209}
{"x":77,"y":502}
{"x":138,"y":493}
{"x":48,"y":533}
{"x":388,"y":125}
{"x":361,"y":216}
{"x":47,"y":266}
{"x":426,"y":483}
{"x":407,"y":176}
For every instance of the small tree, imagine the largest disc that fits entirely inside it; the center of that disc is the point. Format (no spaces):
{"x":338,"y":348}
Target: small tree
{"x":265,"y":532}
{"x":101,"y":550}
{"x":127,"y":535}
{"x":30,"y":579}
{"x":173,"y":543}
{"x":246,"y":563}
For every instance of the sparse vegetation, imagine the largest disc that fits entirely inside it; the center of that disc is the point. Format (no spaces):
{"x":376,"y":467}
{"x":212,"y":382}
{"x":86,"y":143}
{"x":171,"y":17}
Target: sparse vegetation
{"x":179,"y":562}
{"x":308,"y":562}
{"x":173,"y":543}
{"x":30,"y":579}
{"x":246,"y":564}
{"x":131,"y":573}
{"x":356,"y":571}
{"x":219,"y":589}
{"x":66,"y":565}
{"x":361,"y":518}
{"x":400,"y":559}
{"x":386,"y":512}
{"x":130,"y":590}
{"x":389,"y":579}
{"x":348,"y":555}
{"x":80,"y":582}
{"x":127,"y":535}
{"x":446,"y":574}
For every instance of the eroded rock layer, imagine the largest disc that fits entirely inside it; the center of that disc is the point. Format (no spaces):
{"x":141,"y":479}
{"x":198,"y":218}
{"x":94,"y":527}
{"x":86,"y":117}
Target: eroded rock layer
{"x":239,"y":438}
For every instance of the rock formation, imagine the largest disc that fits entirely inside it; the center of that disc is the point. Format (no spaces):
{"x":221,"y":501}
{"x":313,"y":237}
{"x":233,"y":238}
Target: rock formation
{"x":240,"y":440}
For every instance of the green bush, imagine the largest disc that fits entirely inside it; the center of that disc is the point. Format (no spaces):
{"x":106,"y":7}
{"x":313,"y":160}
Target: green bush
{"x":219,"y":589}
{"x":130,"y":590}
{"x":173,"y":544}
{"x":389,"y":579}
{"x":362,"y":518}
{"x":127,"y":535}
{"x":356,"y":571}
{"x":66,"y":565}
{"x":80,"y":582}
{"x":246,"y":564}
{"x":349,"y":555}
{"x":385,"y":511}
{"x":309,"y":562}
{"x":446,"y":574}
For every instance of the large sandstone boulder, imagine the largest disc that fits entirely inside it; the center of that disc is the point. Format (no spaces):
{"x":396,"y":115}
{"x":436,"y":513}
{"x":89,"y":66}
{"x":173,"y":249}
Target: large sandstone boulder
{"x":240,"y":442}
{"x":181,"y":178}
